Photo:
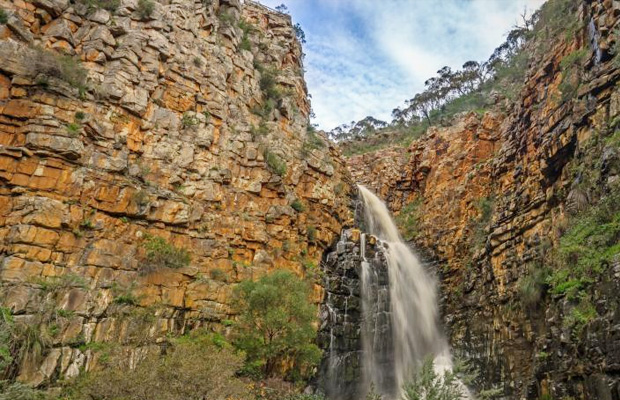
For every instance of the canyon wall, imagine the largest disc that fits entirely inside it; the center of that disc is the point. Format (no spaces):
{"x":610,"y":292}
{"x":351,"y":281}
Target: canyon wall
{"x":491,"y":198}
{"x":150,"y":158}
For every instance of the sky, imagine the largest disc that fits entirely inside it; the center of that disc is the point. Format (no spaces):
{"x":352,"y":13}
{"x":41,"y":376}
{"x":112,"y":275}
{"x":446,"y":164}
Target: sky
{"x":366,"y":57}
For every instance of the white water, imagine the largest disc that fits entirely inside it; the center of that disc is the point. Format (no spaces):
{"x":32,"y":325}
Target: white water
{"x":411,"y":316}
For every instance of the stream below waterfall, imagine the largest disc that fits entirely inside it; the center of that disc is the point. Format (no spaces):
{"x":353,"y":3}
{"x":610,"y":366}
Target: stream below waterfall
{"x":379,"y":343}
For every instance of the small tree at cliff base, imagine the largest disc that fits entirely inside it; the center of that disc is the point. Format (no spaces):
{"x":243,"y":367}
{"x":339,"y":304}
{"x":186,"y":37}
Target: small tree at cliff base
{"x":275,"y":327}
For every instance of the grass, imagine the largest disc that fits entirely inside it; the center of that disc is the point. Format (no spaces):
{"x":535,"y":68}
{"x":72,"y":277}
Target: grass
{"x":275,"y":163}
{"x":63,"y":67}
{"x":145,"y":8}
{"x":298,"y":206}
{"x":162,"y":254}
{"x":407,"y":219}
{"x":587,"y":248}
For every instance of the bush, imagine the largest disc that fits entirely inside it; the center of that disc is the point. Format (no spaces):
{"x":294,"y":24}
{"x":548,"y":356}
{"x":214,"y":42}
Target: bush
{"x":407,"y":219}
{"x":145,"y":8}
{"x":161,"y":254}
{"x":532,"y":286}
{"x":587,"y":248}
{"x":426,"y":384}
{"x":192,"y":368}
{"x":298,"y":205}
{"x":276,"y":164}
{"x":4,"y":16}
{"x":276,"y":325}
{"x":19,"y":391}
{"x":64,"y":67}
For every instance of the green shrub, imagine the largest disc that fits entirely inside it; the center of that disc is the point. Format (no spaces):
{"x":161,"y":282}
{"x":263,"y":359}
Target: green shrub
{"x":193,"y":367}
{"x":533,"y":285}
{"x":276,"y":164}
{"x":298,"y":205}
{"x":19,"y":391}
{"x":218,"y":274}
{"x":161,"y":254}
{"x":276,"y":325}
{"x":311,"y":233}
{"x":20,"y":342}
{"x":188,"y":120}
{"x":587,"y":248}
{"x":73,"y":129}
{"x":226,"y":19}
{"x":580,"y":316}
{"x":64,"y":67}
{"x":426,"y":384}
{"x":4,"y":16}
{"x":259,"y":132}
{"x":145,"y":8}
{"x":407,"y":219}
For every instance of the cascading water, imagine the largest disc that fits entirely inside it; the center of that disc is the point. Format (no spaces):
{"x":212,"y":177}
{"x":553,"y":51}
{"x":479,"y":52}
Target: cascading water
{"x":400,"y":316}
{"x":380,"y":317}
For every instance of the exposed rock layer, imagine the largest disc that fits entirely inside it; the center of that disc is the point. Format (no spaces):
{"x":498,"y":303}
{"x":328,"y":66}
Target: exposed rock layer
{"x":519,"y":164}
{"x":168,"y":137}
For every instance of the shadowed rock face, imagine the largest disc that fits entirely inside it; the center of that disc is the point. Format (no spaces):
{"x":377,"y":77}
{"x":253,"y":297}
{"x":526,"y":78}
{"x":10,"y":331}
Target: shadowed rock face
{"x":529,"y":163}
{"x":163,"y":138}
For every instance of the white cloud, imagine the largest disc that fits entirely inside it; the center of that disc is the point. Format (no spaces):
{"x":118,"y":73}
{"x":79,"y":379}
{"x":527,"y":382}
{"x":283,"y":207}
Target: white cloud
{"x":365,"y":57}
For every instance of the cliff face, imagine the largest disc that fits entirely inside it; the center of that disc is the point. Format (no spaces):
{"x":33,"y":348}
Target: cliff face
{"x":492,"y":198}
{"x":186,"y":122}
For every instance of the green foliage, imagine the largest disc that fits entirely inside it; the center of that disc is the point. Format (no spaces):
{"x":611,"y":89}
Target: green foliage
{"x":587,"y":248}
{"x":226,"y":19}
{"x":298,"y":206}
{"x":299,"y":33}
{"x":145,"y":8}
{"x":73,"y":129}
{"x":533,"y":285}
{"x":276,"y":324}
{"x":19,"y":391}
{"x":485,"y":208}
{"x":19,"y":342}
{"x":64,"y":67}
{"x":312,"y":142}
{"x":188,"y":120}
{"x":571,"y":66}
{"x":408,"y":218}
{"x":161,"y":254}
{"x":580,"y":316}
{"x":193,"y":367}
{"x":218,"y":274}
{"x":311,"y":233}
{"x":259,"y":132}
{"x":197,"y":62}
{"x":4,"y":16}
{"x":426,"y":384}
{"x":275,"y":163}
{"x":55,"y":284}
{"x":247,"y":28}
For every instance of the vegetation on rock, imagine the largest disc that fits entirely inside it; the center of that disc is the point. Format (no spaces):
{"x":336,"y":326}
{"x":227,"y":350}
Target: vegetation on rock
{"x":162,"y":254}
{"x":275,"y":326}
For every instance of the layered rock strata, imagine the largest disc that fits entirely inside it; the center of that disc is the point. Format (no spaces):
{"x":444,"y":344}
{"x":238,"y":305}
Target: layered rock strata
{"x":492,"y":195}
{"x":118,"y":128}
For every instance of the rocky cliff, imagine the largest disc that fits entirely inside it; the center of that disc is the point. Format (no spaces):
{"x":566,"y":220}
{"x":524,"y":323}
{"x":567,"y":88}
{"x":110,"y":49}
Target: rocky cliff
{"x":498,"y":200}
{"x":152,"y":154}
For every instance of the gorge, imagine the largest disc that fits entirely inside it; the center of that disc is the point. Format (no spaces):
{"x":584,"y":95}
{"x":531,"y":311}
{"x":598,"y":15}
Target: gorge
{"x":157,"y":155}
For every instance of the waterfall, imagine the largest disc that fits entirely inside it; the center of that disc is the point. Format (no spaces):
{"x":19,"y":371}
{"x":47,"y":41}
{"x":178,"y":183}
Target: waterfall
{"x":400,"y":319}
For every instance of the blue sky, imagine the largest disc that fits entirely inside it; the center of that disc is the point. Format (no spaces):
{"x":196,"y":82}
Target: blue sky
{"x":366,"y":57}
